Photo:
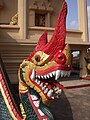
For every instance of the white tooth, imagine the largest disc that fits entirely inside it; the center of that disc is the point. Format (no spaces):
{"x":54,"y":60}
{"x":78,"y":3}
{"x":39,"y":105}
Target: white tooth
{"x":65,"y":73}
{"x":46,"y":90}
{"x":58,"y":91}
{"x":50,"y":74}
{"x":38,"y":76}
{"x":41,"y":85}
{"x":46,"y":83}
{"x":53,"y":97}
{"x":69,"y":73}
{"x":43,"y":88}
{"x":62,"y":73}
{"x":33,"y":75}
{"x":57,"y":88}
{"x":57,"y":74}
{"x":38,"y":82}
{"x":45,"y":76}
{"x":49,"y":94}
{"x":54,"y":73}
{"x":42,"y":77}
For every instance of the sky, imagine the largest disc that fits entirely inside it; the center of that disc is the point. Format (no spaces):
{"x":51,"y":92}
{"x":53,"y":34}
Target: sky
{"x":72,"y":16}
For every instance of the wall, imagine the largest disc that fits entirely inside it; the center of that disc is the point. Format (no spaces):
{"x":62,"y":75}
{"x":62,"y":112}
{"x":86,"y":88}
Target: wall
{"x":10,"y":8}
{"x":38,"y":5}
{"x":56,"y":8}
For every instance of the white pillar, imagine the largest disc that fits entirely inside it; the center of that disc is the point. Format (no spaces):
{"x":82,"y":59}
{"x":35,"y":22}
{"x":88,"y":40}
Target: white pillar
{"x":22,"y":18}
{"x":83,"y":19}
{"x":83,"y":70}
{"x":48,"y":19}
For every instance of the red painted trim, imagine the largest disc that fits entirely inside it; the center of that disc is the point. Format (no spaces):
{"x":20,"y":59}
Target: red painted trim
{"x":9,"y":99}
{"x":51,"y":69}
{"x":23,"y":92}
{"x":78,"y":86}
{"x":36,"y":109}
{"x":86,"y":78}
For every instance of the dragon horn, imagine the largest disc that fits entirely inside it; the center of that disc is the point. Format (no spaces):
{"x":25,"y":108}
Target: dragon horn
{"x":42,"y":41}
{"x":57,"y":41}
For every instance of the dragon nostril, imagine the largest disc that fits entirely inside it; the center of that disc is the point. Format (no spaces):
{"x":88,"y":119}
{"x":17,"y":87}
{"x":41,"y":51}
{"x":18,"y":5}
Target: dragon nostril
{"x":60,"y":57}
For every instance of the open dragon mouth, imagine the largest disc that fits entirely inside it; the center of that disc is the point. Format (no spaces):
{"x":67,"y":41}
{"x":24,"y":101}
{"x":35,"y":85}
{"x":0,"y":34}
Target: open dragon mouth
{"x":48,"y":84}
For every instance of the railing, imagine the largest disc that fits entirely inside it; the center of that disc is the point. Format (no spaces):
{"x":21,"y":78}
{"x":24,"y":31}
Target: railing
{"x":12,"y":32}
{"x":9,"y":32}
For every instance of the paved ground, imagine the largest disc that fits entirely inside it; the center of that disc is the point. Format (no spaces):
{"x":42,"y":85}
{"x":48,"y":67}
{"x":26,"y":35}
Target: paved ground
{"x":78,"y":83}
{"x":74,"y":104}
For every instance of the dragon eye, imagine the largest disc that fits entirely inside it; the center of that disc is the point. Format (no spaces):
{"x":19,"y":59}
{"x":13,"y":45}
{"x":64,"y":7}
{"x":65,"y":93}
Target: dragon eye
{"x":37,"y":58}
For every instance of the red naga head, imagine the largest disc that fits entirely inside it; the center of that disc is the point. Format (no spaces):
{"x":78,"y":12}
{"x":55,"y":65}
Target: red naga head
{"x":49,"y":61}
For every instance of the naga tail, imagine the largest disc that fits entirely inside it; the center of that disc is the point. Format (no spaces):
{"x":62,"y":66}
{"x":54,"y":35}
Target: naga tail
{"x":8,"y":103}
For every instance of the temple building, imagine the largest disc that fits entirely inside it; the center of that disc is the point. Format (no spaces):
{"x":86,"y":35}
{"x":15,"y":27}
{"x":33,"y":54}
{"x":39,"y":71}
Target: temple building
{"x":23,"y":21}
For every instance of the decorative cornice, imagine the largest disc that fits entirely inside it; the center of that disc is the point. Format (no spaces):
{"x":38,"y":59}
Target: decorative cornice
{"x":42,"y":6}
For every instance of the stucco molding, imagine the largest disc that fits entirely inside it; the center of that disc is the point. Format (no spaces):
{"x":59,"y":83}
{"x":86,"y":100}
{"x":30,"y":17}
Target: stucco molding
{"x":43,"y":6}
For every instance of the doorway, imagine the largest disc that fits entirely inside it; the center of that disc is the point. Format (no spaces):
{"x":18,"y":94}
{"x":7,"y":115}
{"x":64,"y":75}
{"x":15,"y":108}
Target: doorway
{"x":75,"y":72}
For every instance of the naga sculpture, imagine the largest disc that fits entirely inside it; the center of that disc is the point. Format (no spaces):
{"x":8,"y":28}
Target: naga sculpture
{"x":39,"y":76}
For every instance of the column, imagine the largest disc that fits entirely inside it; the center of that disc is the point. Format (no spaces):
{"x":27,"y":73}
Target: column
{"x":23,"y":17}
{"x":83,"y":19}
{"x":48,"y":19}
{"x":83,"y":70}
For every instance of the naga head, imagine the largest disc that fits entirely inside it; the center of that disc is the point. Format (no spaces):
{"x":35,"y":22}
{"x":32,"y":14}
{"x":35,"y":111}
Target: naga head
{"x":48,"y":62}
